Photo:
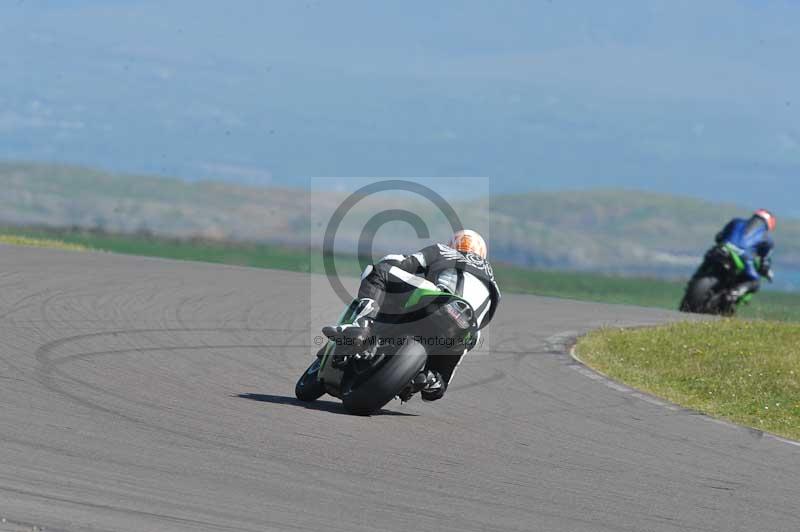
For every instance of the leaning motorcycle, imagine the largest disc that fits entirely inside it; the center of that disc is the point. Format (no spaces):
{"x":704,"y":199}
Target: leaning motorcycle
{"x":713,"y":287}
{"x":367,"y":377}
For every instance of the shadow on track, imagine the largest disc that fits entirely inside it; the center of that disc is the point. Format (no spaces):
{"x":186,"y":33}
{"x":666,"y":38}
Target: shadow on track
{"x":324,"y":406}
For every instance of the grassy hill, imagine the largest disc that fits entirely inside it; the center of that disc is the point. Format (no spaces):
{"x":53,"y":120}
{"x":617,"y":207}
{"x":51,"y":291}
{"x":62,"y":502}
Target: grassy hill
{"x":613,"y":231}
{"x":59,"y":196}
{"x":619,"y":230}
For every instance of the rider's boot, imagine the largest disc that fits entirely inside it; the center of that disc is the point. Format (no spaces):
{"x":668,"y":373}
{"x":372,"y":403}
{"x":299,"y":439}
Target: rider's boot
{"x":359,"y":332}
{"x":742,"y":290}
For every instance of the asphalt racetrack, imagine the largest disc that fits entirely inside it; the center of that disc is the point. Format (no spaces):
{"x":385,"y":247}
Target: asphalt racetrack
{"x":146,"y":395}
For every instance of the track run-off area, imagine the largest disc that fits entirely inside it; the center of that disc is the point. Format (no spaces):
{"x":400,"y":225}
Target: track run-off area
{"x":144,"y":394}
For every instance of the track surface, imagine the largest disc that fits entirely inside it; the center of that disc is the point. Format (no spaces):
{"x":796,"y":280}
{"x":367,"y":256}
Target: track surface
{"x":141,"y":394}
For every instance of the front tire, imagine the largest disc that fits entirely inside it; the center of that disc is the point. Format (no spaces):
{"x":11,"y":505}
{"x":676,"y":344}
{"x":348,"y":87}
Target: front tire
{"x":387,"y":381}
{"x":308,"y":388}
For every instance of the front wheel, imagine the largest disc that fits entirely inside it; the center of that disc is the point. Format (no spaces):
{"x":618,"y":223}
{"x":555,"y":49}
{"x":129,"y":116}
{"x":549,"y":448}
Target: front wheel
{"x":308,"y":388}
{"x":395,"y":373}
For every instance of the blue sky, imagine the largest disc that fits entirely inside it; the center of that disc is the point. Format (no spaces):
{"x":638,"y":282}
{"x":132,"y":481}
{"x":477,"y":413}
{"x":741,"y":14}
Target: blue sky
{"x":684,"y":97}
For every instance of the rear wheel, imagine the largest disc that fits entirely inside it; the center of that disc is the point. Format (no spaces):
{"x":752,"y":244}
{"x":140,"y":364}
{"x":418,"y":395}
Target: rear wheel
{"x":308,"y":388}
{"x":363,"y":397}
{"x":703,"y":296}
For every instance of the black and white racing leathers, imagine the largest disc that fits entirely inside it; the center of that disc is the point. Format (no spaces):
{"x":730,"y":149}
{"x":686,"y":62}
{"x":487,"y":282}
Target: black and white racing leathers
{"x":386,"y":284}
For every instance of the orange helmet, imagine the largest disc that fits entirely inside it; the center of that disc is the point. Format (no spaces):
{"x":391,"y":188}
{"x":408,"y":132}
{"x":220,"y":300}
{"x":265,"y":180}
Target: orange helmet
{"x":768,"y":217}
{"x":468,"y":241}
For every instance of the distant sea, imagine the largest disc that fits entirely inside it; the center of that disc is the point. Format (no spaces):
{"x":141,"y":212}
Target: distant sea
{"x":788,"y":280}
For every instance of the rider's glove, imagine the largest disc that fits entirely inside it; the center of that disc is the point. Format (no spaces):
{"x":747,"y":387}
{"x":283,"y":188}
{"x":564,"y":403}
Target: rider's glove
{"x":769,"y":274}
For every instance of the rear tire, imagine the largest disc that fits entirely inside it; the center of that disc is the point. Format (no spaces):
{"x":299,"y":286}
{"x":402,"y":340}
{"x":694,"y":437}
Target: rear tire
{"x":701,"y":296}
{"x":308,"y":388}
{"x":387,"y":381}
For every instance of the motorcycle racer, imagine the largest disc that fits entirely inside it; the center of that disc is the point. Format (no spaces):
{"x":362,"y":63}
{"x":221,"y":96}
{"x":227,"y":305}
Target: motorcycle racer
{"x":750,"y":239}
{"x":460,"y":267}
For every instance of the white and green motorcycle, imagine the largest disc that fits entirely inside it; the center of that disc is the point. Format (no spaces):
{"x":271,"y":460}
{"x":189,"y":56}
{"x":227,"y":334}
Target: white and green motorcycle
{"x":367,"y":377}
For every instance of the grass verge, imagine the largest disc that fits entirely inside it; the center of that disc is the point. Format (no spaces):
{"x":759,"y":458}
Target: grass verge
{"x":745,"y":371}
{"x":18,"y":240}
{"x":512,"y":279}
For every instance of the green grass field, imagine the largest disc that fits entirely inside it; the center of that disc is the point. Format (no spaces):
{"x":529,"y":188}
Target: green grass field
{"x":644,"y":292}
{"x":512,"y":279}
{"x":744,"y":371}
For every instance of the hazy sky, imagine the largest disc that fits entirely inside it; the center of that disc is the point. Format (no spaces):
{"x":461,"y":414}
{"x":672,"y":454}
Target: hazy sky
{"x":686,"y":97}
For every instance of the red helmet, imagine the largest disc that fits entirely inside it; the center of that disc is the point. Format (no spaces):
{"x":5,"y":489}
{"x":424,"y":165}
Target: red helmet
{"x":768,"y":217}
{"x":468,"y":241}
